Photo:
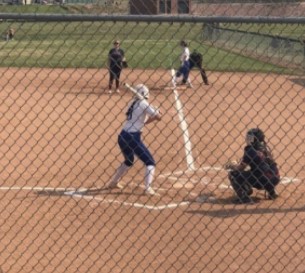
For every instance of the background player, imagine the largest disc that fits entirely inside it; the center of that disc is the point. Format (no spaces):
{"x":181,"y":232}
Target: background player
{"x":196,"y":61}
{"x":184,"y":69}
{"x":139,"y":113}
{"x":116,"y":57}
{"x":263,"y":173}
{"x":10,"y":34}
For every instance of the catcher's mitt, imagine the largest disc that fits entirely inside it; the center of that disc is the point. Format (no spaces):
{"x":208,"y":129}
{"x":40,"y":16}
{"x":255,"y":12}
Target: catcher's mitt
{"x":124,"y":64}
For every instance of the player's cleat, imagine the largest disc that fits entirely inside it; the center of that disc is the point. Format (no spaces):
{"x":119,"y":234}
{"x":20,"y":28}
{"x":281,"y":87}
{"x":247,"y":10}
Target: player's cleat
{"x":174,"y":84}
{"x":113,"y":186}
{"x":118,"y":90}
{"x":150,"y":191}
{"x":189,"y":85}
{"x":110,"y":91}
{"x":272,"y":195}
{"x":250,"y":192}
{"x":243,"y":200}
{"x":248,"y":189}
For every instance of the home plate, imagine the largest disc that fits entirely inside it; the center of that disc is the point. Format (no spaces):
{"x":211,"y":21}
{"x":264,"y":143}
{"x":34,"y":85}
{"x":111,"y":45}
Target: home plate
{"x":187,"y":185}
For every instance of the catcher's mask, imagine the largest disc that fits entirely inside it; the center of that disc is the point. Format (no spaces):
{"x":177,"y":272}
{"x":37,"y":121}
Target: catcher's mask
{"x":143,"y":90}
{"x":257,"y":134}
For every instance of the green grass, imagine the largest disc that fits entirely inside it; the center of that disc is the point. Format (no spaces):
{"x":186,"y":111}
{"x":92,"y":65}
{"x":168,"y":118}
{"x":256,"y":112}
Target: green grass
{"x":295,"y":31}
{"x":42,"y":9}
{"x":86,"y":44}
{"x":65,"y":9}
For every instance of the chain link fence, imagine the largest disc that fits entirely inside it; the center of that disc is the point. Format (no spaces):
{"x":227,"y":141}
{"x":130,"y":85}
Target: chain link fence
{"x":274,"y":48}
{"x":59,"y":148}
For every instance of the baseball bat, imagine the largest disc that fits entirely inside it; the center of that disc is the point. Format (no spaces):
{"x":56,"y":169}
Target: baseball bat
{"x":134,"y":91}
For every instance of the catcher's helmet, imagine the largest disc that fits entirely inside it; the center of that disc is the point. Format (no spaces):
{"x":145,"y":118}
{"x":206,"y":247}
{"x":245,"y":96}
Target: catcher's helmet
{"x":143,"y":90}
{"x":257,"y":133}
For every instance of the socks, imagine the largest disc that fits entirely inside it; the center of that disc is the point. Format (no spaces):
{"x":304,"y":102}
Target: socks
{"x":174,"y":79}
{"x":119,"y":173}
{"x":149,"y":175}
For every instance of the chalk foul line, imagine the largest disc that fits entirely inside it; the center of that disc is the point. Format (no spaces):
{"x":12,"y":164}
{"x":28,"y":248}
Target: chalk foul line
{"x":79,"y":193}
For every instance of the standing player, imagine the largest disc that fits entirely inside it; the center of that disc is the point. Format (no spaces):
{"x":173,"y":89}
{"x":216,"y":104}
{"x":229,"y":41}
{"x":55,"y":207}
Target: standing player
{"x":184,"y":69}
{"x":10,"y":34}
{"x":263,"y":173}
{"x":139,"y":113}
{"x":116,"y":57}
{"x":196,"y":61}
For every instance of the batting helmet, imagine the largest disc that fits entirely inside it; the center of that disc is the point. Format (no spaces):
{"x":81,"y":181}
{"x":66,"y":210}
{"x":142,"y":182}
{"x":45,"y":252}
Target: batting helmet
{"x":257,"y":134}
{"x":143,"y":90}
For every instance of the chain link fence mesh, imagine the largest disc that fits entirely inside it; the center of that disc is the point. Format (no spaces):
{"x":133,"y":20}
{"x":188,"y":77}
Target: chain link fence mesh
{"x":276,"y":49}
{"x":59,"y":131}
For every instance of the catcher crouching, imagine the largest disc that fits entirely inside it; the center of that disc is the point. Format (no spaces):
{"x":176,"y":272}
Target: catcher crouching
{"x":263,"y":173}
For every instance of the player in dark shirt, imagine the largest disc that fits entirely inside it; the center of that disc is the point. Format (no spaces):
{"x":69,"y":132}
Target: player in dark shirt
{"x":115,"y":58}
{"x":196,"y":61}
{"x":263,"y":173}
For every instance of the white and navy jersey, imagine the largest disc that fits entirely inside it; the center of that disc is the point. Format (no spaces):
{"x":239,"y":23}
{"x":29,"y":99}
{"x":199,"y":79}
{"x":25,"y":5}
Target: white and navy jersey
{"x":137,"y":114}
{"x":185,"y":56}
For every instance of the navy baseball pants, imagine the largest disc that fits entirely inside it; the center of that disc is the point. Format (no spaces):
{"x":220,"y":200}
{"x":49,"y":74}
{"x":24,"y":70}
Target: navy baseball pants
{"x":131,"y":145}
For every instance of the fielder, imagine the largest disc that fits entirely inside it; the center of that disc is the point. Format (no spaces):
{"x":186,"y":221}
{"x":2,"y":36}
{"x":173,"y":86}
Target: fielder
{"x":116,"y":59}
{"x":196,"y":61}
{"x":139,"y":113}
{"x":184,"y":69}
{"x":263,"y":173}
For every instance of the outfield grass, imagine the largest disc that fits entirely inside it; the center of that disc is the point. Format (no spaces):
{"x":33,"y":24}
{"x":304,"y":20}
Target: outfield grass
{"x":86,"y":44}
{"x":295,"y":31}
{"x":33,"y":9}
{"x":63,"y":9}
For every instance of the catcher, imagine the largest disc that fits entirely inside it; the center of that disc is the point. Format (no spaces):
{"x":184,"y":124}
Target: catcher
{"x":263,"y":173}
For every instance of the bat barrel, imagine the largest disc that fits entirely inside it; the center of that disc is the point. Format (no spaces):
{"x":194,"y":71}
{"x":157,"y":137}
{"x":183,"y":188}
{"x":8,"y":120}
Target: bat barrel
{"x":134,"y":91}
